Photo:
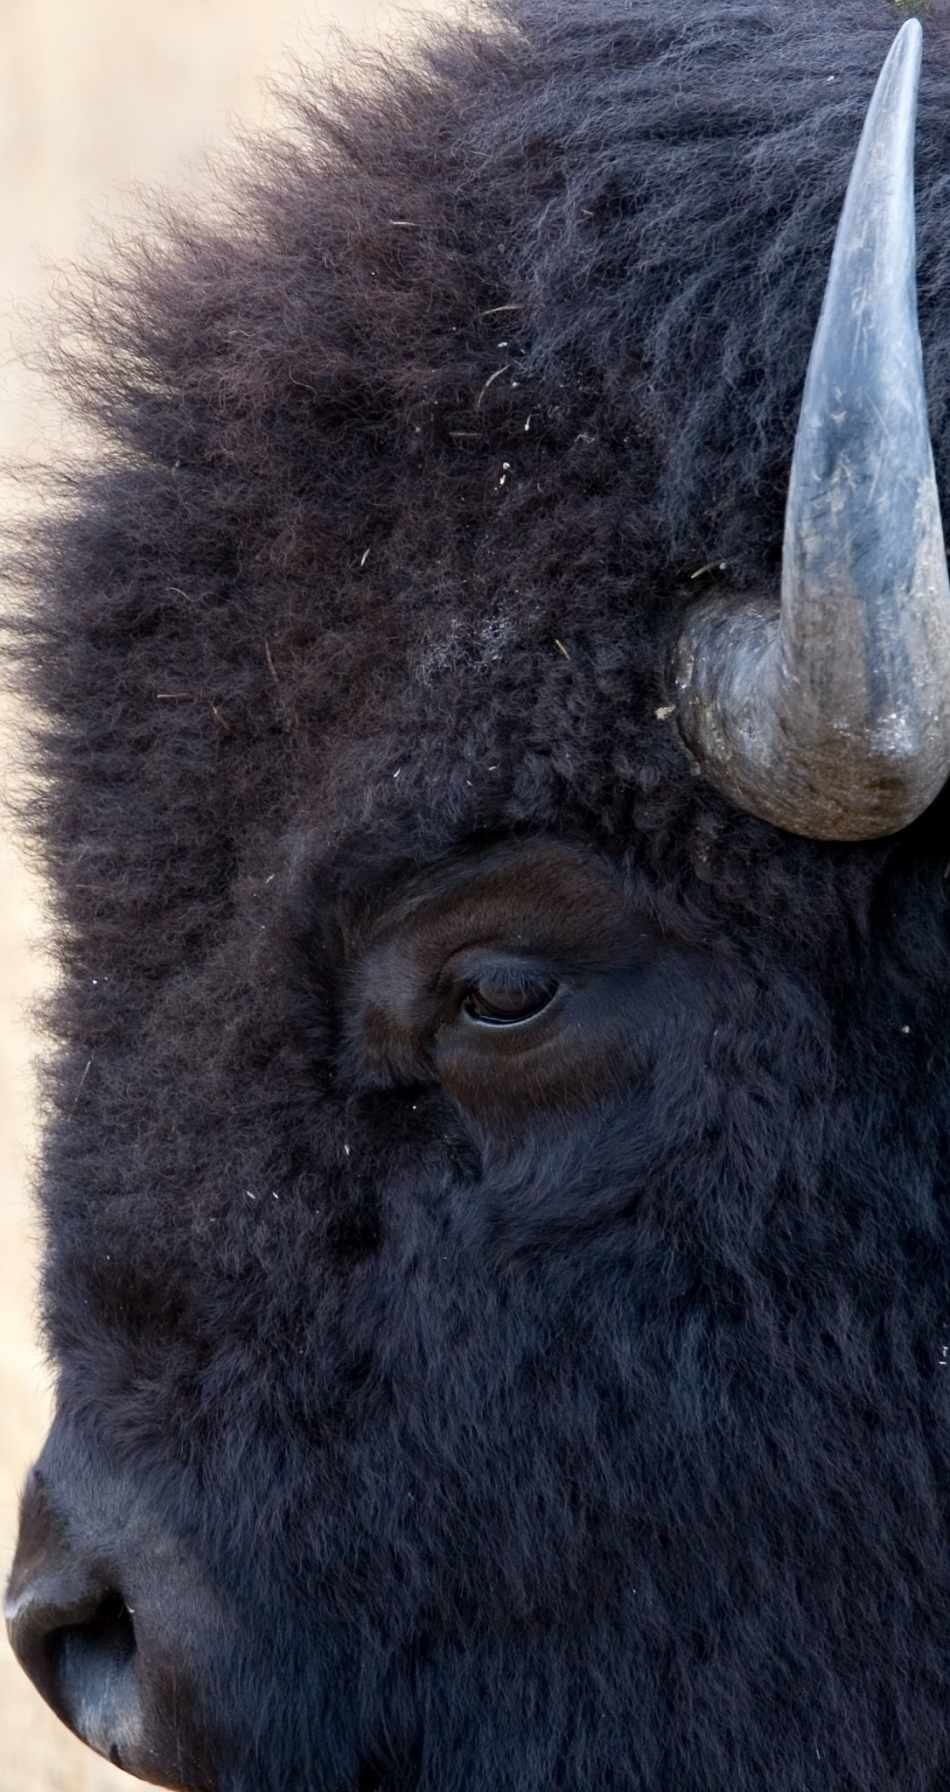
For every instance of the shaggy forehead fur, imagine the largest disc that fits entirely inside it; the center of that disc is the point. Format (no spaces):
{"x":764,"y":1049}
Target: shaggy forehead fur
{"x":619,"y":1458}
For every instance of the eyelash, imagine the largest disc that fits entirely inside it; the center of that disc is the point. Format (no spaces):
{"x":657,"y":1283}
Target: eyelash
{"x":505,"y":983}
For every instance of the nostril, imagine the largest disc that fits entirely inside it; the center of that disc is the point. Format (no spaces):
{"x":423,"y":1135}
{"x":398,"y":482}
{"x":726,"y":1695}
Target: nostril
{"x":79,"y":1656}
{"x":71,"y":1629}
{"x":104,"y":1643}
{"x":109,"y":1638}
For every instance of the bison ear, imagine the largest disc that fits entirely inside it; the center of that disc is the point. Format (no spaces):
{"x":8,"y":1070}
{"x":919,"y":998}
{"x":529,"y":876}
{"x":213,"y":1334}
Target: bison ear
{"x":830,"y":716}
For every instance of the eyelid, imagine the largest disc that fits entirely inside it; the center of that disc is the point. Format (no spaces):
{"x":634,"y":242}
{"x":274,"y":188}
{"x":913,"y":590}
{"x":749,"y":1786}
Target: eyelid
{"x":507,"y":1022}
{"x":468,"y":965}
{"x":509,"y":980}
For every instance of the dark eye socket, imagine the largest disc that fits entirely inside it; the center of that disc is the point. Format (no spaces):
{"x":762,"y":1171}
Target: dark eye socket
{"x":506,"y":1001}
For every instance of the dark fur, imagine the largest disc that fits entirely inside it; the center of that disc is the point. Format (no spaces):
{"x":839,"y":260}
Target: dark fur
{"x":604,"y":1455}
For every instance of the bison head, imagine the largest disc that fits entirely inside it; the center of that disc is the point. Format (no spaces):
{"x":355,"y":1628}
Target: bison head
{"x":495,"y":1170}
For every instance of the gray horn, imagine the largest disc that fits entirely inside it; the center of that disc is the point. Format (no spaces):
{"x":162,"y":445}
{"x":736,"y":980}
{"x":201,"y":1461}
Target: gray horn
{"x":831,"y":716}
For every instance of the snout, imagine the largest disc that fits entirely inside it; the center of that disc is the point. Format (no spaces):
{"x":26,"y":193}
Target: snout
{"x":111,"y":1632}
{"x":73,"y":1633}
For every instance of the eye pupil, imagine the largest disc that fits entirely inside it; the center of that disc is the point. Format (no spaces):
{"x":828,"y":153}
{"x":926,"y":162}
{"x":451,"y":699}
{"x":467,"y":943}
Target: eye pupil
{"x":496,"y":1003}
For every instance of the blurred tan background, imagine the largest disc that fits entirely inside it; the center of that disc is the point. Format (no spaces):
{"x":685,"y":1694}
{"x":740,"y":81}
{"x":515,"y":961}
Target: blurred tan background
{"x":94,"y":95}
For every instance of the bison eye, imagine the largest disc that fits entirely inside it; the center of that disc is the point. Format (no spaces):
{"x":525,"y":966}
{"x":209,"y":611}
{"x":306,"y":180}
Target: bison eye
{"x":496,"y":1000}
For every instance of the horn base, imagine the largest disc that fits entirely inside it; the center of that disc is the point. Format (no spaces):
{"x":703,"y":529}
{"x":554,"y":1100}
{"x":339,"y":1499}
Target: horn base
{"x":750,"y":727}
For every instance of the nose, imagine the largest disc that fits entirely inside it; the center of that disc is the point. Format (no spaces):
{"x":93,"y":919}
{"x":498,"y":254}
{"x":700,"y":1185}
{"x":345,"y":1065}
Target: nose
{"x":114,"y":1625}
{"x":73,"y":1633}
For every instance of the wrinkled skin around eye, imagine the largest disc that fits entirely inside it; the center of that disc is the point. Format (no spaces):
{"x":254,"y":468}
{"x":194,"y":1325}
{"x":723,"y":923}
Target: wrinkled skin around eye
{"x":524,"y":981}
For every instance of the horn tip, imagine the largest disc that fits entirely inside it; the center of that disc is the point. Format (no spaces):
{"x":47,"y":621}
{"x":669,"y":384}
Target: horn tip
{"x":909,"y":39}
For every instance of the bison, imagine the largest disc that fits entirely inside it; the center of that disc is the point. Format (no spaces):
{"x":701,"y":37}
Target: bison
{"x":492,"y":680}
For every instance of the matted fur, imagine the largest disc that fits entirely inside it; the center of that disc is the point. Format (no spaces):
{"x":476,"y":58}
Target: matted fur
{"x":618,"y":1457}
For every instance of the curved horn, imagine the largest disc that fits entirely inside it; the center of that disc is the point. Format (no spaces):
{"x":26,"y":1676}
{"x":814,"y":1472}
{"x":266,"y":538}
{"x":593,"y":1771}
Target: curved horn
{"x":831,"y":718}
